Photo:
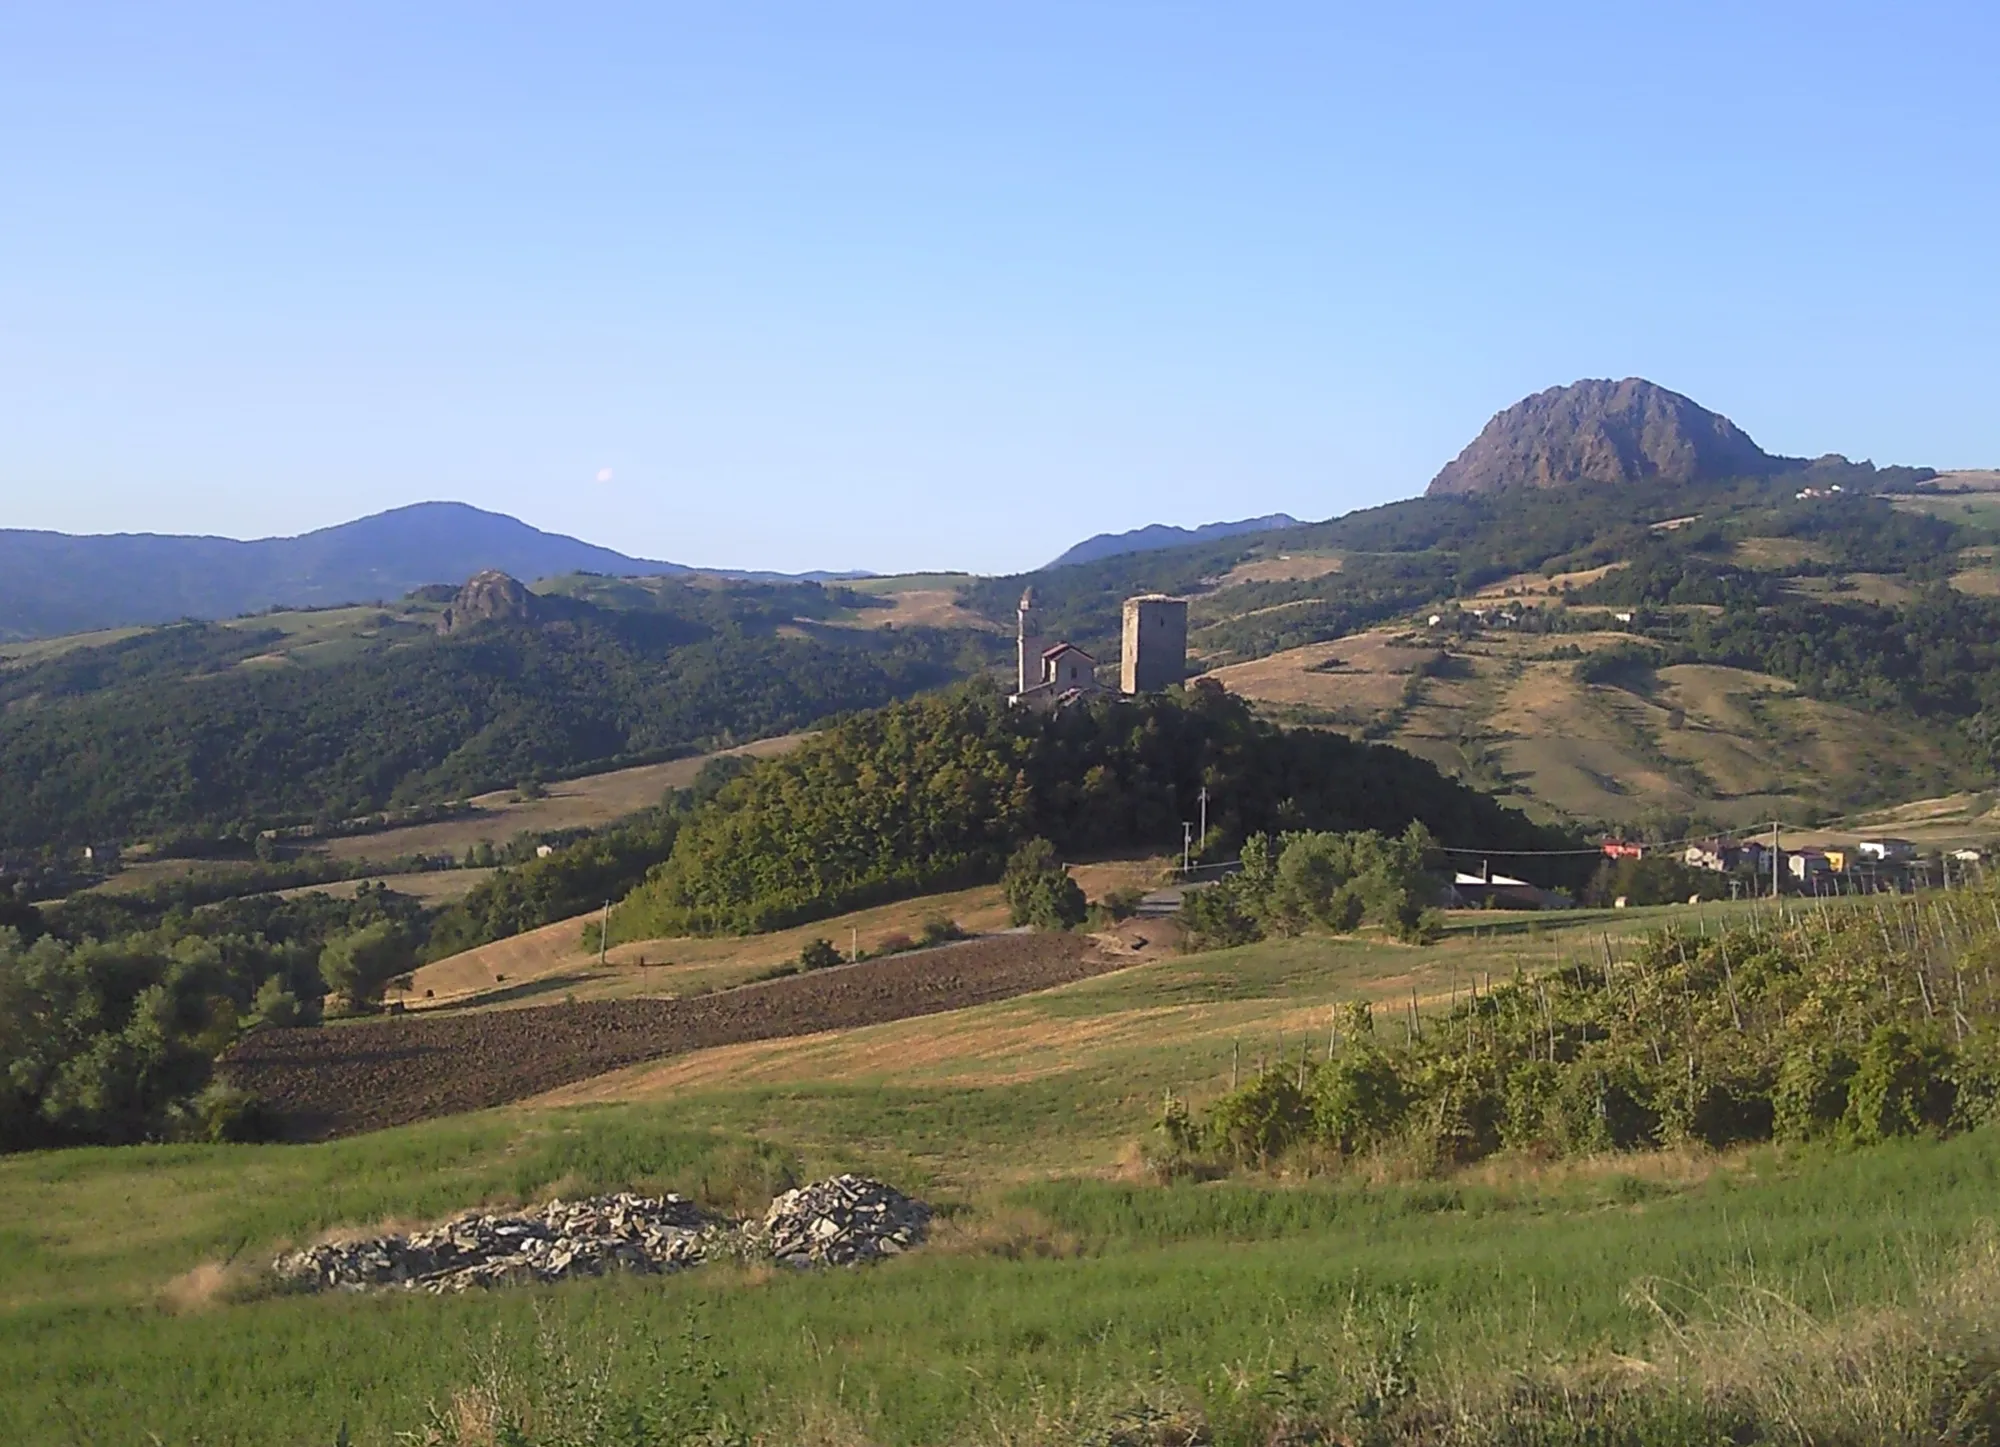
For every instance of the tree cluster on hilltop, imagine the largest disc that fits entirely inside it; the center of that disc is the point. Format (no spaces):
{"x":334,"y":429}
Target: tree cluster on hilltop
{"x":936,"y":792}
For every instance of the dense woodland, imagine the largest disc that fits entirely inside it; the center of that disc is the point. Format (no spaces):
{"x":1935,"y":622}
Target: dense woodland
{"x":112,"y":1016}
{"x":939,"y":791}
{"x":171,"y":731}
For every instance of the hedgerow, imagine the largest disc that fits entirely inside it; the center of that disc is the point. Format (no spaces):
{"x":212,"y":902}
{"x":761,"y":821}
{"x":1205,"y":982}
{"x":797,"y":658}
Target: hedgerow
{"x":1852,"y":1023}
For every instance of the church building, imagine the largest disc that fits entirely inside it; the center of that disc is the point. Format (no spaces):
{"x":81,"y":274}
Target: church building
{"x":1051,"y":675}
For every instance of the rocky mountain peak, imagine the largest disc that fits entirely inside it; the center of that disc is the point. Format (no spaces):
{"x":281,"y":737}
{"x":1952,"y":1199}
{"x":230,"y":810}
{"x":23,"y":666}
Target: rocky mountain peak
{"x":490,"y":596}
{"x":1603,"y":431}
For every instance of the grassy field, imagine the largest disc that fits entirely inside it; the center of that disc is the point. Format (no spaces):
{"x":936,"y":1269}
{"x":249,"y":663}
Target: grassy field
{"x":584,"y":803}
{"x":551,"y":962}
{"x":1061,"y":1282}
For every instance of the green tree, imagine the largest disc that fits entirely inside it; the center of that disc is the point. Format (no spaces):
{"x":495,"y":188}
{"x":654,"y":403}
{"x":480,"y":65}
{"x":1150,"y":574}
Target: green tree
{"x":1039,"y":891}
{"x":359,"y":964}
{"x":275,"y":1005}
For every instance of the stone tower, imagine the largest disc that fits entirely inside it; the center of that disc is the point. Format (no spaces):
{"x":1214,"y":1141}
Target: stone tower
{"x":1029,"y":643}
{"x":1155,"y":651}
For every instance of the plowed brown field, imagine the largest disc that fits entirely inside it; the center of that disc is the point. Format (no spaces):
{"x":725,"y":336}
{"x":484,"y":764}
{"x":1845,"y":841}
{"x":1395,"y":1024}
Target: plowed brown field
{"x":347,"y":1079}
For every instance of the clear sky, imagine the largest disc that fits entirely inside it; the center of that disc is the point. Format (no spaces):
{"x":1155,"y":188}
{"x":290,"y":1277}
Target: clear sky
{"x":954,"y":285}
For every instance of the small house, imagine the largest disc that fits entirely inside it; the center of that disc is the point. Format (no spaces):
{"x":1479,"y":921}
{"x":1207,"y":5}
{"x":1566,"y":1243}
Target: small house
{"x":1720,"y":856}
{"x":1886,"y":851}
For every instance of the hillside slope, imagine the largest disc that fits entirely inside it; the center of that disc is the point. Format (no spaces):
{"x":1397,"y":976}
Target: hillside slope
{"x":1525,"y":717}
{"x":220,"y":729}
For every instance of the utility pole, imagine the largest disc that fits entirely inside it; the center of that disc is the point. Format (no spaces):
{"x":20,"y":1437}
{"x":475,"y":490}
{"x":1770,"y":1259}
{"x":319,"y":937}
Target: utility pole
{"x":1187,"y":844}
{"x":1774,"y":859}
{"x":1203,"y":798}
{"x":604,"y":935}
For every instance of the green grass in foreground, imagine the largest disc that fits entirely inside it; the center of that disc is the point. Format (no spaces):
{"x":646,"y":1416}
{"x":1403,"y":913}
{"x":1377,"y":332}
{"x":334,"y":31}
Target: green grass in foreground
{"x":1047,"y":1283}
{"x":1060,"y":1288}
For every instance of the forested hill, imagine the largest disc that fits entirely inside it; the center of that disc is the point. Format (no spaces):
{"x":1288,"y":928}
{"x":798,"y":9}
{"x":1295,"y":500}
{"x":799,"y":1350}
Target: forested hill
{"x":218,"y":729}
{"x":937,"y":791}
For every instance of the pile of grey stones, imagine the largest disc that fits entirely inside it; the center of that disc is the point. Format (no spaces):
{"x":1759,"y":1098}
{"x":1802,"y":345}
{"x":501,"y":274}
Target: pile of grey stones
{"x":842,"y":1221}
{"x":837,"y":1222}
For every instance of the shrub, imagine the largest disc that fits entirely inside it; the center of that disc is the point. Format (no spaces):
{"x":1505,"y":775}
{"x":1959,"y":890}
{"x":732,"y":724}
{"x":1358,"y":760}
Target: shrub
{"x":1811,"y":1094}
{"x":1122,"y":903}
{"x":1902,"y":1085}
{"x":941,"y":931}
{"x":1262,"y":1119}
{"x":1360,"y":1101}
{"x":1218,"y":916}
{"x":223,"y":1112}
{"x":1039,"y":891}
{"x":818,"y":955}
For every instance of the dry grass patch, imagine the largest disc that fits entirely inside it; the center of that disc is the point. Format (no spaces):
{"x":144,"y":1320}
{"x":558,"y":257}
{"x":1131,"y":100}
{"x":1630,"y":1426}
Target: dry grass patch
{"x":1534,"y":585}
{"x":1282,"y":568}
{"x":1886,"y":589}
{"x":433,"y":887}
{"x":921,"y":608}
{"x":587,"y":803}
{"x":209,"y":1285}
{"x":1772,"y":554}
{"x":1971,"y":479}
{"x":1363,"y":673}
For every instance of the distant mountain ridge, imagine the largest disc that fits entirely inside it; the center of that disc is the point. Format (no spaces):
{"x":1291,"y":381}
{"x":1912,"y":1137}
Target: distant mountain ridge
{"x":1602,"y":431}
{"x":1156,"y":536}
{"x":56,"y":583}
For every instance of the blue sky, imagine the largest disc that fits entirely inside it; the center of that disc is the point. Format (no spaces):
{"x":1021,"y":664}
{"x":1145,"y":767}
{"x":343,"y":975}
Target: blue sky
{"x":897,"y":286}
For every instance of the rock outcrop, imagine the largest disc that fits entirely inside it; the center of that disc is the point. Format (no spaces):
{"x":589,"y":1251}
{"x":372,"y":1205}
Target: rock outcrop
{"x":488,"y":597}
{"x":1606,"y":432}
